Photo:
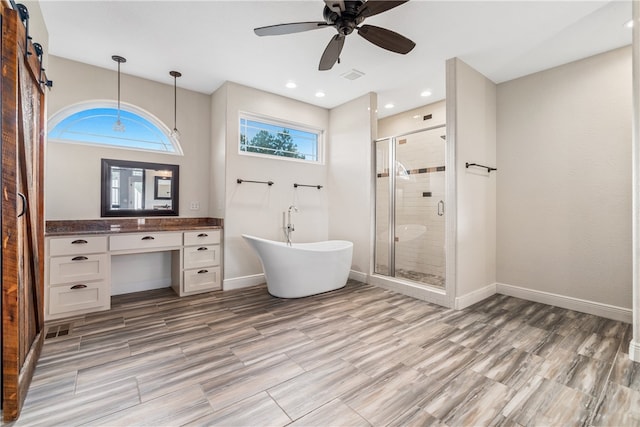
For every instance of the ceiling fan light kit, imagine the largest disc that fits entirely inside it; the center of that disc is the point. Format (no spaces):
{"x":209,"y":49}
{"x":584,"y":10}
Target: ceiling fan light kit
{"x":346,"y":16}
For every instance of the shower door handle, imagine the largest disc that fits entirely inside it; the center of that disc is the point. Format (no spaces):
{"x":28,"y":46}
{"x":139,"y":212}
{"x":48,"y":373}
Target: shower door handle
{"x":441,"y":208}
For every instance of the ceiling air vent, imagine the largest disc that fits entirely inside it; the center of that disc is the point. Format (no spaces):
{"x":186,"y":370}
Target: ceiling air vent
{"x":352,"y":75}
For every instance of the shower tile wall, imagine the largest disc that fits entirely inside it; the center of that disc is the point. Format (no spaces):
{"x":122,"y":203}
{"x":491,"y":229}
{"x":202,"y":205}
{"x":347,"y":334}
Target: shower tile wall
{"x":419,"y":188}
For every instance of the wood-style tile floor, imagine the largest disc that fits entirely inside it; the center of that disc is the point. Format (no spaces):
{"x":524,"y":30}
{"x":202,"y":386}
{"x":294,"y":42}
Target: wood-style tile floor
{"x":358,"y":356}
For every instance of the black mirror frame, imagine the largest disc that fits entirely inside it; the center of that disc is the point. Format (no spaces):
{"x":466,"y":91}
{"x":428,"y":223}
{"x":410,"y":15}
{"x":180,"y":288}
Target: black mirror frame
{"x":156,"y":187}
{"x":105,"y":189}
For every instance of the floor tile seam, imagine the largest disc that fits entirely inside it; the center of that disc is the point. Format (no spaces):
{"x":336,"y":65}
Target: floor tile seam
{"x":291,"y":419}
{"x":208,"y":414}
{"x":230,"y":403}
{"x":356,"y":411}
{"x":123,"y":410}
{"x":79,"y":355}
{"x":96,"y":416}
{"x":605,"y":383}
{"x":393,"y":422}
{"x":532,"y":411}
{"x":133,"y":376}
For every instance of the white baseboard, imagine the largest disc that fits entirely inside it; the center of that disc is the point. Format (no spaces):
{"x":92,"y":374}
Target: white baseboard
{"x":243,"y":282}
{"x":471,"y":298}
{"x":634,"y":351}
{"x":599,"y":309}
{"x":359,"y":276}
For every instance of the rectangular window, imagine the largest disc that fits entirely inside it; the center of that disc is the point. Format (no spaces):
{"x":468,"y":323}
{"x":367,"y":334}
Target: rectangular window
{"x":266,"y":137}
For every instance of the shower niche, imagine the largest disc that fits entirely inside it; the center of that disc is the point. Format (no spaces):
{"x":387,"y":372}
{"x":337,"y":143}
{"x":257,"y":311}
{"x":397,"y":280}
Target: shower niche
{"x":410,"y":208}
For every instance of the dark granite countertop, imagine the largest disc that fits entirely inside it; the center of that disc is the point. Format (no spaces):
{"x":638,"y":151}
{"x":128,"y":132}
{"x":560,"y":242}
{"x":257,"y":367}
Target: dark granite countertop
{"x":128,"y":225}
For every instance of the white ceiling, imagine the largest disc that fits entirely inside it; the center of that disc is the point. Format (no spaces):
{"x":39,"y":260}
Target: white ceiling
{"x":211,"y":42}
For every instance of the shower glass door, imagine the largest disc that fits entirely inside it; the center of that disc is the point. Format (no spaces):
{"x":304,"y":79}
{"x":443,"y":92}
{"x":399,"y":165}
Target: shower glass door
{"x":410,"y":207}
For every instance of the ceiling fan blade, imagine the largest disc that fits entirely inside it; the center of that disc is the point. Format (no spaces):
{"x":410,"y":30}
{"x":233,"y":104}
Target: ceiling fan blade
{"x":374,"y":7}
{"x":294,"y":27}
{"x":386,"y":39}
{"x":336,"y":6}
{"x":331,"y":53}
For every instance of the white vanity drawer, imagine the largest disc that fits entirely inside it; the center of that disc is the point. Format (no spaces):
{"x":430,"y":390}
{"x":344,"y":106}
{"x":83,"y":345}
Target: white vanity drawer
{"x":90,"y":296}
{"x":205,"y":279}
{"x":201,"y":256}
{"x":77,"y":245}
{"x":144,"y":241}
{"x":66,"y":269}
{"x":201,"y":237}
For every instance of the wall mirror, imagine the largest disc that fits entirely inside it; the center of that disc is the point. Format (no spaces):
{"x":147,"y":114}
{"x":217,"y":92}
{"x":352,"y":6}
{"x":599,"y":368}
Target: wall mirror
{"x":131,"y":188}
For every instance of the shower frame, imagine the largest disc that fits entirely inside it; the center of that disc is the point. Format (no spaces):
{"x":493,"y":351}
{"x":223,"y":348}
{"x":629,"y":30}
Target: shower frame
{"x":446,"y":296}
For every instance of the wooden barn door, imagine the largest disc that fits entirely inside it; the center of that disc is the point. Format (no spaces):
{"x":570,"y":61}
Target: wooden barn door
{"x":22,"y":213}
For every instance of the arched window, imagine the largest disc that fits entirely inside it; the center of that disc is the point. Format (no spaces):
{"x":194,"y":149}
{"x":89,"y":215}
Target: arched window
{"x":93,"y":123}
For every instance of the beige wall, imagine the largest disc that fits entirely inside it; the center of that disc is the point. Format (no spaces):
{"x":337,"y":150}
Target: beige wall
{"x":405,"y":122}
{"x":257,"y":209}
{"x":72,"y":175}
{"x":353,"y":129}
{"x":473,"y":120}
{"x":564,"y":187}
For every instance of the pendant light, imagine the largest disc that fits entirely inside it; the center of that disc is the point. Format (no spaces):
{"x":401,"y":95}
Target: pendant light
{"x":118,"y":126}
{"x":175,"y":74}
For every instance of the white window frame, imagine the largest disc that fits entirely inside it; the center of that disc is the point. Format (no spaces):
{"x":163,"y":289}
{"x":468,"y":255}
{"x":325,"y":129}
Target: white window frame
{"x":70,"y":110}
{"x":285,"y":125}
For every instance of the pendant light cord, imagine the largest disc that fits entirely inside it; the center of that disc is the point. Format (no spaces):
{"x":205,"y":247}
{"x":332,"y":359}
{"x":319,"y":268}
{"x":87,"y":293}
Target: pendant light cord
{"x":175,"y":75}
{"x":118,"y":91}
{"x":118,"y":125}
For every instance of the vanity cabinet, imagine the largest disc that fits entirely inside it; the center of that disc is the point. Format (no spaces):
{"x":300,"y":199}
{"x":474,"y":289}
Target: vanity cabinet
{"x":77,"y":276}
{"x":78,"y":268}
{"x":200,"y":262}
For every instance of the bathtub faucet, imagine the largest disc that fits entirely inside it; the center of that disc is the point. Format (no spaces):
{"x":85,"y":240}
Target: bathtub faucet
{"x":289,"y":227}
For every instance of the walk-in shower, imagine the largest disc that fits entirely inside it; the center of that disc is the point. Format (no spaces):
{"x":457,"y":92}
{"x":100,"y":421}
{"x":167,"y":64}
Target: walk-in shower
{"x":410,"y":206}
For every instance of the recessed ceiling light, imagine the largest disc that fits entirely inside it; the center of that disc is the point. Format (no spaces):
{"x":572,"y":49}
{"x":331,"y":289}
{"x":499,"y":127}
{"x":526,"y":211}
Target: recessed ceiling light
{"x":389,"y":105}
{"x":629,"y":23}
{"x":417,"y":116}
{"x":291,"y":85}
{"x":426,"y":93}
{"x":320,"y":94}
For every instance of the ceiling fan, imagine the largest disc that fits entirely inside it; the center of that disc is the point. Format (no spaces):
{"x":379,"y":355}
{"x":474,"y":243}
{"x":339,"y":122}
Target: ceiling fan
{"x":346,"y":16}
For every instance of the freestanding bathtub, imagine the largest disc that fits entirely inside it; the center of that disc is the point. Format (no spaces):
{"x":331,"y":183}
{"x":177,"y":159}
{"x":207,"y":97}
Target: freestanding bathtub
{"x":303,"y":269}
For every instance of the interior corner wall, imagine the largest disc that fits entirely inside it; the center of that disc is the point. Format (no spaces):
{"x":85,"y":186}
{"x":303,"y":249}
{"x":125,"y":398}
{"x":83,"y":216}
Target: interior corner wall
{"x":217,"y":177}
{"x":564,"y":180}
{"x":72,"y":171}
{"x":350,"y":182}
{"x":474,"y":136}
{"x":257,"y":209}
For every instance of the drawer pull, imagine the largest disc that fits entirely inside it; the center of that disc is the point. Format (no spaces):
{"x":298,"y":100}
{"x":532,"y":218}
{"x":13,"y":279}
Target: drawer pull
{"x":78,"y":286}
{"x":203,"y":249}
{"x":148,"y":238}
{"x":203,"y":235}
{"x":79,"y":242}
{"x":79,"y":258}
{"x":203,"y":271}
